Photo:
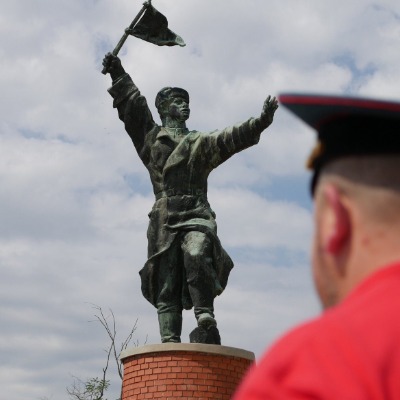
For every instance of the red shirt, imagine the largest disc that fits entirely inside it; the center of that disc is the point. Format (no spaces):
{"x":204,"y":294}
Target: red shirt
{"x":351,"y":352}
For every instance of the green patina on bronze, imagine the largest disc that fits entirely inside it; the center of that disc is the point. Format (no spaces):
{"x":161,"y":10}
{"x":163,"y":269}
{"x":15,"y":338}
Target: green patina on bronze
{"x":187,"y":265}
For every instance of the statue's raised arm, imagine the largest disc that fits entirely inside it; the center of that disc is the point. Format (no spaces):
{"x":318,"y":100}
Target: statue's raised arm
{"x":132,"y":106}
{"x":220,"y":145}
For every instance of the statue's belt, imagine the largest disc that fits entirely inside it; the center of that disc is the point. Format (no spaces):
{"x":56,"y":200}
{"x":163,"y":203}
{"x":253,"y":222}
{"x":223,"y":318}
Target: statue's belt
{"x":180,"y":192}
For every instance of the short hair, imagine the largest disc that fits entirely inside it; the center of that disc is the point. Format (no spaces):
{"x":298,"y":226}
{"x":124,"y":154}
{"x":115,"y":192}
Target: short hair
{"x":379,"y":171}
{"x":372,"y":181}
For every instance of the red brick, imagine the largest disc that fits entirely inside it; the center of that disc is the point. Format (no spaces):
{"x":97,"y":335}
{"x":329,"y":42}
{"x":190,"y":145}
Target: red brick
{"x":212,"y":389}
{"x":182,"y":375}
{"x":198,"y":395}
{"x":162,"y":382}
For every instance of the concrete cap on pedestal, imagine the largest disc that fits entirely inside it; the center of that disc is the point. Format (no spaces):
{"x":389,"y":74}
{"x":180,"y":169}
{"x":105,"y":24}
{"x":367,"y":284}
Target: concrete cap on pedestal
{"x":192,"y":347}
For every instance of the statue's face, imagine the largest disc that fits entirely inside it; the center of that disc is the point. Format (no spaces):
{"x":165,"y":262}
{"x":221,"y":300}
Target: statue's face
{"x":179,"y":109}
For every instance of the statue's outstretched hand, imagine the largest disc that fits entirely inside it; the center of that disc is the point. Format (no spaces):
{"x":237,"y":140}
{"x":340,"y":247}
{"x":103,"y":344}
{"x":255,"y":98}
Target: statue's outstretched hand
{"x":268,"y":111}
{"x":112,"y":64}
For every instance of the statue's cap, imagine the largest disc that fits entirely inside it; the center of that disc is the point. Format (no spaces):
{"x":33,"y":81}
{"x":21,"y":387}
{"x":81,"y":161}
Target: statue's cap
{"x":346,"y":126}
{"x":170,"y":92}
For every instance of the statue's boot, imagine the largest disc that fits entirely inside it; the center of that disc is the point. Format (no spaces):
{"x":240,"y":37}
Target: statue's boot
{"x":206,"y":319}
{"x":170,"y":327}
{"x":207,"y":331}
{"x":203,"y":302}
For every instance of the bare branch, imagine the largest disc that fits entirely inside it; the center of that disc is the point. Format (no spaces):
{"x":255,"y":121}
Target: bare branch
{"x":76,"y":391}
{"x":104,"y":381}
{"x":126,"y":342}
{"x":124,"y":345}
{"x":116,"y":356}
{"x":94,"y":388}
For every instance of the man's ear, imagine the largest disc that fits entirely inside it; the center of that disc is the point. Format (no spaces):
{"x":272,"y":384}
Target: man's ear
{"x":338,"y":226}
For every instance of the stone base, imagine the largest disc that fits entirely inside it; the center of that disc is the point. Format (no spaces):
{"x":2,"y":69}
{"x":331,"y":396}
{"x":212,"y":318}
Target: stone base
{"x":183,"y":371}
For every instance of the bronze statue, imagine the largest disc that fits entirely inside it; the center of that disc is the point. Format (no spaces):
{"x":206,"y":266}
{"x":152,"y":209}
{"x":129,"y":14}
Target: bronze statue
{"x":186,"y":266}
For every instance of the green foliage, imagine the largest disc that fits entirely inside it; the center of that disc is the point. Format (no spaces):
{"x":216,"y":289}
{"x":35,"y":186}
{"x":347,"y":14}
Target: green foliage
{"x":95,"y":388}
{"x":92,"y":389}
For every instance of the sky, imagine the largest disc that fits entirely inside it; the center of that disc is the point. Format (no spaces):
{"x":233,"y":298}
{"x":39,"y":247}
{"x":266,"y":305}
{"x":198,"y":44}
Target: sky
{"x":74,"y":195}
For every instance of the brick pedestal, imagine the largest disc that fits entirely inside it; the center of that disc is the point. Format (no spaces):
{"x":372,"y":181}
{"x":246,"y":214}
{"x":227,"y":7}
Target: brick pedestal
{"x":183,"y":371}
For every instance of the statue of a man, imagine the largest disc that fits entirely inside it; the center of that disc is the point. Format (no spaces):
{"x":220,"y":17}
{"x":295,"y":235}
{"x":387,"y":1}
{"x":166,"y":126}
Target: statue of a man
{"x":186,"y":266}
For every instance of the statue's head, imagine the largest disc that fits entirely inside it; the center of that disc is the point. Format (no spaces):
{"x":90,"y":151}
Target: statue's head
{"x":173,"y":102}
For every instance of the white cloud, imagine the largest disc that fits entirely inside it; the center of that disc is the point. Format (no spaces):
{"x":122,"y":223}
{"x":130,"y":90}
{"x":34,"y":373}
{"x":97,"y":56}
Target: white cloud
{"x":74,"y":196}
{"x":251,"y":221}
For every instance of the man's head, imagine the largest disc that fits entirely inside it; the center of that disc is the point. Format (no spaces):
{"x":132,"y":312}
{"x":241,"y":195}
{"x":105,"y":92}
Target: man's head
{"x":356,"y":188}
{"x":172,"y":102}
{"x":357,"y":222}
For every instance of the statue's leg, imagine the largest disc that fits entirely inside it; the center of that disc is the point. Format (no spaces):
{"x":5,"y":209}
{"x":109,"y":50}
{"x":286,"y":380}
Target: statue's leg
{"x":170,"y":326}
{"x":200,"y":276}
{"x":169,"y":302}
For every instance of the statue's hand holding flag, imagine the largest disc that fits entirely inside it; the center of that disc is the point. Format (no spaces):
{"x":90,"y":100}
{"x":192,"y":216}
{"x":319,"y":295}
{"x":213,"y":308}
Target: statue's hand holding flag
{"x":149,"y":25}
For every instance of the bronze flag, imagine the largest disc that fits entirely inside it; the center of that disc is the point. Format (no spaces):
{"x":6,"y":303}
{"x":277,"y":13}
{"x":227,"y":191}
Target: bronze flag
{"x":153,"y":28}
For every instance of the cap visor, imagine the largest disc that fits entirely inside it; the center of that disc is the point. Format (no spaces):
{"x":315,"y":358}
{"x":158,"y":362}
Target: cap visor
{"x":318,"y":110}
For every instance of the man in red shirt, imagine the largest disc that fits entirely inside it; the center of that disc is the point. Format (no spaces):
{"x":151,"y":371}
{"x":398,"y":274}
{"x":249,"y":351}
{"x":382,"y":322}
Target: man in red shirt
{"x":352,"y":351}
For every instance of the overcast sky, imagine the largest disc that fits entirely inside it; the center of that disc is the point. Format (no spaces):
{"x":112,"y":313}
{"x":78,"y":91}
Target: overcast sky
{"x":74,"y":195}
